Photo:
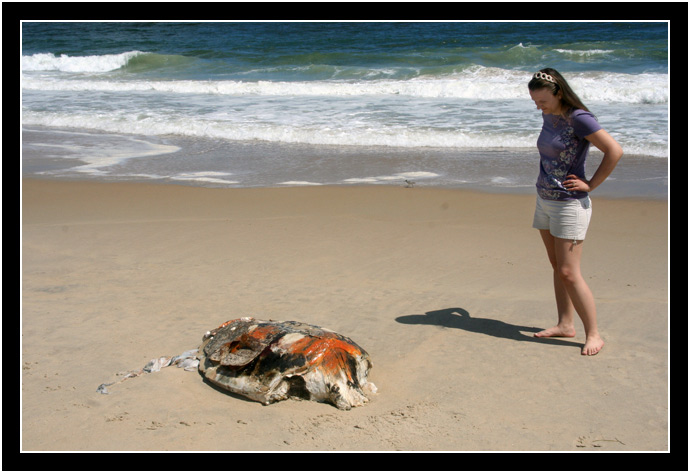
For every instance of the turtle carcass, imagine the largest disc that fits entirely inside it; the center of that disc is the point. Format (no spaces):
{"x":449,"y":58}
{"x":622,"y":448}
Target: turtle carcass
{"x":269,"y":361}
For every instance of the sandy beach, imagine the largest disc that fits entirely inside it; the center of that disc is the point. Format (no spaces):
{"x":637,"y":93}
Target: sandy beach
{"x":443,"y":288}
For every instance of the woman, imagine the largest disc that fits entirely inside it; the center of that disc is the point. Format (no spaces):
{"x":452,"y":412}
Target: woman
{"x":563,"y":207}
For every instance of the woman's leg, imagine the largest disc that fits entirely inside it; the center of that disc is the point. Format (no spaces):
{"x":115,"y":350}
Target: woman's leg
{"x":566,"y":311}
{"x":571,"y":292}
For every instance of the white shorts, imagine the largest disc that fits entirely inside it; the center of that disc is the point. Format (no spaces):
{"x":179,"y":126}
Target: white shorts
{"x":567,"y":219}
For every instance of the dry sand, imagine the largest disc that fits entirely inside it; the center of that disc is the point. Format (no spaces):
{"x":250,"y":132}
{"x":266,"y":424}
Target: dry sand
{"x":443,"y":288}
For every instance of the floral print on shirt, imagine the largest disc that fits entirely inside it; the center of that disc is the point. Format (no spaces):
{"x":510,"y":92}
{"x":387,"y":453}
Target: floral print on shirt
{"x":563,"y":151}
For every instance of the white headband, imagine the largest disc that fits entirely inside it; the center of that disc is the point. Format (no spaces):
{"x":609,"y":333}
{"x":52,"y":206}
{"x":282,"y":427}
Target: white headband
{"x":544,"y":76}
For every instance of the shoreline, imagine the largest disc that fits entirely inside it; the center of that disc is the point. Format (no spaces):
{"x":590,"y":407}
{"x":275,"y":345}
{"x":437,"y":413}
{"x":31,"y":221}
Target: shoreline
{"x":217,"y":163}
{"x":521,"y":191}
{"x":443,"y":287}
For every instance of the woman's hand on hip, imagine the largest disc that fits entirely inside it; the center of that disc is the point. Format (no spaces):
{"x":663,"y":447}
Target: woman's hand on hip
{"x":574,"y":183}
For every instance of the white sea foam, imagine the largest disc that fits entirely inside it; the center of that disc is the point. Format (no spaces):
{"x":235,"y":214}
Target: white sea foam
{"x":88,"y":64}
{"x":318,"y":133}
{"x":585,"y":52}
{"x":480,"y":83}
{"x":213,"y":177}
{"x":315,"y":134}
{"x":204,"y":174}
{"x":508,"y":182}
{"x":210,"y":180}
{"x":300,"y":183}
{"x":99,"y":152}
{"x":391,"y":178}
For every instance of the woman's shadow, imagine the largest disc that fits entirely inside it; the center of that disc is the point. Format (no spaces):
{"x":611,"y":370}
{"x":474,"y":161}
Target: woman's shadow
{"x":460,"y":319}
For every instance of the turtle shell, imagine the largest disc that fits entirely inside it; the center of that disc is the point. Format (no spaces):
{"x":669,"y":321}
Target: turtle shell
{"x":269,"y":361}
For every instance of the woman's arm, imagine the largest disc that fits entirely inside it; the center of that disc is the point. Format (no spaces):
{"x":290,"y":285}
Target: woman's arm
{"x":612,"y":154}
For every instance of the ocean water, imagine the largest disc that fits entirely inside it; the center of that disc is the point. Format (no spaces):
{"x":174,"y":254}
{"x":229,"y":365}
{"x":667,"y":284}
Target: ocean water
{"x":307,"y":103}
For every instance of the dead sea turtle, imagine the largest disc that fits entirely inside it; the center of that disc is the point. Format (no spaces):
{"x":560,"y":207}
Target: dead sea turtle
{"x":269,"y":361}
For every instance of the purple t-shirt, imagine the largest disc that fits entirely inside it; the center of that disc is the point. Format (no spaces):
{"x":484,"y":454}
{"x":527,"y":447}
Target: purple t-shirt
{"x":563,"y":150}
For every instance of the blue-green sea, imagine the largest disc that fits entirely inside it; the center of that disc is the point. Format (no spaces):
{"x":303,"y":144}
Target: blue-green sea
{"x":251,"y":104}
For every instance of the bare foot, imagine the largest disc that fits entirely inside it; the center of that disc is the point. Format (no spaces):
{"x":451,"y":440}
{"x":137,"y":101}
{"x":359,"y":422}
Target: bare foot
{"x":556,"y":332}
{"x":593,"y":345}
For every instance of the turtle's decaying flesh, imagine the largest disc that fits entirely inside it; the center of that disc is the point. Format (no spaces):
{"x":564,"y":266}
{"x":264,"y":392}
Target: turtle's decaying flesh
{"x":269,"y":361}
